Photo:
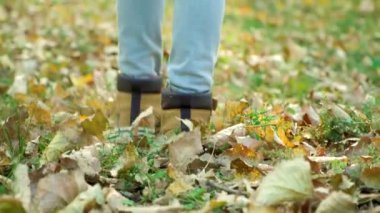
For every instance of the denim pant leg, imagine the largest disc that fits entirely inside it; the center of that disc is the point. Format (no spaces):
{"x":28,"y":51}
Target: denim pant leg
{"x":139,"y":23}
{"x":196,"y":36}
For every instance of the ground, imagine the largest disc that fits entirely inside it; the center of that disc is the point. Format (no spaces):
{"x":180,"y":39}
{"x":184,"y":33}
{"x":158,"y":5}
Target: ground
{"x":296,"y":129}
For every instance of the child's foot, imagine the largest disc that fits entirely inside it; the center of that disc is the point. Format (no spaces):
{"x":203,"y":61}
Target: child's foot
{"x":179,"y":106}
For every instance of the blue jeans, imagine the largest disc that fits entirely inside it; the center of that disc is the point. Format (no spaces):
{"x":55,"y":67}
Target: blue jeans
{"x":196,"y":37}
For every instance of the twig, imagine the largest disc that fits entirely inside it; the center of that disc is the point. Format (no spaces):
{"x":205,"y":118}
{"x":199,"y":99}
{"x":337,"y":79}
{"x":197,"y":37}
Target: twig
{"x":325,"y":159}
{"x":209,"y":159}
{"x":225,"y":188}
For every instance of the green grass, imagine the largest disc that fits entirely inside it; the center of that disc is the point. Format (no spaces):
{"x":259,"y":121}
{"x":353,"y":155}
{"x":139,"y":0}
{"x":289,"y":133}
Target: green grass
{"x":193,"y":199}
{"x":321,"y":29}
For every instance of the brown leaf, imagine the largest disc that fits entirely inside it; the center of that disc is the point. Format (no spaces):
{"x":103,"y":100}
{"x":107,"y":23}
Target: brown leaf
{"x":86,"y":201}
{"x":87,"y":160}
{"x":311,"y":116}
{"x":115,"y":200}
{"x":371,"y":177}
{"x":185,"y":149}
{"x":55,"y":191}
{"x":40,"y":112}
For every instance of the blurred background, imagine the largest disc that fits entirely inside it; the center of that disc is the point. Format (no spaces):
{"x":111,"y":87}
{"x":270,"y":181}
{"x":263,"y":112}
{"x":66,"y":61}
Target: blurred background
{"x":271,"y":51}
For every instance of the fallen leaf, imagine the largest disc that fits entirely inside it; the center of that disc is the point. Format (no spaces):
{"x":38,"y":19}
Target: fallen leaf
{"x":55,"y":191}
{"x":371,"y":177}
{"x":11,"y":205}
{"x":87,"y":200}
{"x":235,"y":108}
{"x":185,"y":149}
{"x":40,"y":112}
{"x":337,"y":202}
{"x":21,"y":186}
{"x":181,"y":183}
{"x":129,"y":158}
{"x":224,"y":136}
{"x":145,"y":119}
{"x":62,"y":141}
{"x":87,"y":160}
{"x":248,"y":142}
{"x":19,"y":86}
{"x":116,"y":201}
{"x":281,"y":138}
{"x":95,"y":124}
{"x":376,"y":142}
{"x":281,"y":185}
{"x":338,"y":112}
{"x":311,"y":116}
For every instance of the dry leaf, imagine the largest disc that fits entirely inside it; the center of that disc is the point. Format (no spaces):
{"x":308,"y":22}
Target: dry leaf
{"x":185,"y":149}
{"x":337,"y":202}
{"x":281,"y":185}
{"x":87,"y":160}
{"x":338,"y":112}
{"x":11,"y":205}
{"x":224,"y":136}
{"x":87,"y":200}
{"x":62,"y":141}
{"x":115,"y":200}
{"x":40,"y":112}
{"x":371,"y":177}
{"x":281,"y":138}
{"x":311,"y":116}
{"x":129,"y":158}
{"x":55,"y":191}
{"x":95,"y":124}
{"x":21,"y":186}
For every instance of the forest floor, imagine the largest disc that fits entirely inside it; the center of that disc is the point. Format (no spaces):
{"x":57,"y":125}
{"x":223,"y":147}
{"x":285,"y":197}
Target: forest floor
{"x":297,"y":128}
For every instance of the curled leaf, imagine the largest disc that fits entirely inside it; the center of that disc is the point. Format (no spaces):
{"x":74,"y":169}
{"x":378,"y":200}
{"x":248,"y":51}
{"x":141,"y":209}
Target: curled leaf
{"x":290,"y":181}
{"x":337,"y":202}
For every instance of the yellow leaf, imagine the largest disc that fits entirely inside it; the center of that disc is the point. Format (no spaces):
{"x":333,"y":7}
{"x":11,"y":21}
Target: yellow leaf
{"x":40,"y":112}
{"x":82,"y":80}
{"x":235,"y":108}
{"x":180,"y":183}
{"x":95,"y":124}
{"x":269,"y":134}
{"x":245,"y":171}
{"x":283,"y":139}
{"x":240,"y":151}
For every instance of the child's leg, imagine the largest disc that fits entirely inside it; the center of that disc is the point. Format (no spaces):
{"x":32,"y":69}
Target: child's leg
{"x":139,"y":24}
{"x":139,"y":84}
{"x":196,"y":36}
